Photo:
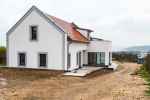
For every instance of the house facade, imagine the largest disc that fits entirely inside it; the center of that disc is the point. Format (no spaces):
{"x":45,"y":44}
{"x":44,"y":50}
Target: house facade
{"x":42,"y":41}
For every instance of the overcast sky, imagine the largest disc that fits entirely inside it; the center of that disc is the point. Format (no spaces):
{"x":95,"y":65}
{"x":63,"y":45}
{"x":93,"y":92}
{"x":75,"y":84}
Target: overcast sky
{"x":124,"y":22}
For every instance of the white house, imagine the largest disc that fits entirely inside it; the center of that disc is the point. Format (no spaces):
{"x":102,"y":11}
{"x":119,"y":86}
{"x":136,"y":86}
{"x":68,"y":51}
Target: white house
{"x":39,"y":40}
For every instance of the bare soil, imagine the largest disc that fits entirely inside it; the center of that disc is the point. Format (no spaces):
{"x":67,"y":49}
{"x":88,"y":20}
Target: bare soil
{"x":104,"y":84}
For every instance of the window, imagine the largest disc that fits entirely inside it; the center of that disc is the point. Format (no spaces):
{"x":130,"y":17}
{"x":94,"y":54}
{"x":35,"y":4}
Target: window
{"x":96,"y":58}
{"x":33,"y":32}
{"x":91,"y":58}
{"x":102,"y":57}
{"x":78,"y":55}
{"x":42,"y":60}
{"x":77,"y":60}
{"x":22,"y":59}
{"x":69,"y":59}
{"x":110,"y":56}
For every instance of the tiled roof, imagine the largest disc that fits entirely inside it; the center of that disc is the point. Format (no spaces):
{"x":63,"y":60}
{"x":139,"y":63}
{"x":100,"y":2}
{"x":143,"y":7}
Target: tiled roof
{"x":70,"y":28}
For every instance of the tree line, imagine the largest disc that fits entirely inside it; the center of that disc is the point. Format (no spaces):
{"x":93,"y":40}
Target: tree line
{"x":124,"y":56}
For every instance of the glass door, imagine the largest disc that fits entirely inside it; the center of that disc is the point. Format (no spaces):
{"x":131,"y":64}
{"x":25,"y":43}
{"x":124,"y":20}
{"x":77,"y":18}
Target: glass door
{"x":98,"y":60}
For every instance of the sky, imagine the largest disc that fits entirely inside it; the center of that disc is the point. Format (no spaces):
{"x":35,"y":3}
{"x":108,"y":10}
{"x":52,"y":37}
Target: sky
{"x":124,"y":22}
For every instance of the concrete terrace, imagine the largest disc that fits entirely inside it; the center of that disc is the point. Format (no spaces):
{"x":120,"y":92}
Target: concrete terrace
{"x":83,"y":71}
{"x":87,"y":70}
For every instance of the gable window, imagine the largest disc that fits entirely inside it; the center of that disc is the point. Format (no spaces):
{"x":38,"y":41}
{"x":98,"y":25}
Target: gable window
{"x":33,"y":32}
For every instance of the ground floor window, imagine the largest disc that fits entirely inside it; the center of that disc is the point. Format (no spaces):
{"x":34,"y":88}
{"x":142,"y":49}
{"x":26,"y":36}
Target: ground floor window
{"x":42,"y":59}
{"x":69,"y":60}
{"x":78,"y":58}
{"x":96,"y":58}
{"x":22,"y":59}
{"x":110,"y":56}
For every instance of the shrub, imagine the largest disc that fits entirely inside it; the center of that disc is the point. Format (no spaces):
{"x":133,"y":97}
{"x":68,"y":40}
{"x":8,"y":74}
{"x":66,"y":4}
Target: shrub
{"x":2,"y":55}
{"x":147,"y":63}
{"x":144,"y":72}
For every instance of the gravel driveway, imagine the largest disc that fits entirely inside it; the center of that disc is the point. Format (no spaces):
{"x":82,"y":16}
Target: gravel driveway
{"x":100,"y":85}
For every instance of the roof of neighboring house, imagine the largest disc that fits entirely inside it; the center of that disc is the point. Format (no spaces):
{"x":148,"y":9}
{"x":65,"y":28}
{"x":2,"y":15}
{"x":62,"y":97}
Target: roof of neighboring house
{"x":70,"y":28}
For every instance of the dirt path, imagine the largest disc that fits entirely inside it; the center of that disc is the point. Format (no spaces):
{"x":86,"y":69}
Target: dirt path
{"x":118,"y":85}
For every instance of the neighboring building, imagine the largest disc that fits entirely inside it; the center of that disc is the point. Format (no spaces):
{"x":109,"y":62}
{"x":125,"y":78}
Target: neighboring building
{"x":42,"y":41}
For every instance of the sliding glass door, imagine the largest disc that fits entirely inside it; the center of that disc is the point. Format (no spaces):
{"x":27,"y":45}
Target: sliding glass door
{"x":96,"y":58}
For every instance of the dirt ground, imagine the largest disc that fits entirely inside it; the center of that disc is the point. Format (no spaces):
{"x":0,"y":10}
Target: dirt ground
{"x":100,"y":85}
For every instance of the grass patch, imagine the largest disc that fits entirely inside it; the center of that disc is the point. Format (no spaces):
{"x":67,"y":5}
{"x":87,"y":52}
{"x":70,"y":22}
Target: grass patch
{"x":146,"y":76}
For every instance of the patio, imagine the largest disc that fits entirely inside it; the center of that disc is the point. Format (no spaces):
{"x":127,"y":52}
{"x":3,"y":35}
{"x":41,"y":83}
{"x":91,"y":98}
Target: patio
{"x":87,"y":70}
{"x":83,"y":71}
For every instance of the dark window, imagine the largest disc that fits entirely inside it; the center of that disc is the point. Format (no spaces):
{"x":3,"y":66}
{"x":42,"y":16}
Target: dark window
{"x":33,"y":30}
{"x":91,"y":58}
{"x":110,"y":55}
{"x":69,"y":58}
{"x":43,"y":60}
{"x":22,"y":59}
{"x":96,"y":58}
{"x":78,"y":55}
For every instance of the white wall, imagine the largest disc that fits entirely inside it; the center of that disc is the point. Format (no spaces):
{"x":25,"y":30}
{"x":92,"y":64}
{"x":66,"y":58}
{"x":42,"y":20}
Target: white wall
{"x":50,"y":40}
{"x":73,"y":49}
{"x":100,"y":46}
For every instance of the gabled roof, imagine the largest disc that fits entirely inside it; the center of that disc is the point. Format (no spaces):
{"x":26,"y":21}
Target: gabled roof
{"x":66,"y":27}
{"x":70,"y":28}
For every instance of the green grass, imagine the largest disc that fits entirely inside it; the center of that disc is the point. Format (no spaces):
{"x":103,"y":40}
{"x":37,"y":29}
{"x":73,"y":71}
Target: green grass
{"x":146,"y":76}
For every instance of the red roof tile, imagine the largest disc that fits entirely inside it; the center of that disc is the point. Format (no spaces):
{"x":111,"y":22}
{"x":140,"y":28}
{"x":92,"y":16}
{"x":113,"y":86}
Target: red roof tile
{"x":70,"y":29}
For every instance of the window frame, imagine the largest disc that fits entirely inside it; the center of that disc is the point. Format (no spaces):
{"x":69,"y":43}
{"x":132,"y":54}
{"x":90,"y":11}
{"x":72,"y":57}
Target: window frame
{"x":46,"y":60}
{"x":92,"y":58}
{"x":77,"y":58}
{"x":110,"y":58}
{"x":18,"y":59}
{"x":37,"y":32}
{"x":69,"y":60}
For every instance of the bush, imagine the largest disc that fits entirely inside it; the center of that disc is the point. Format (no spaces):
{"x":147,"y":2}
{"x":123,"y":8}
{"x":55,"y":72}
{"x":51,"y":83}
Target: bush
{"x":2,"y":56}
{"x":144,"y":72}
{"x":147,"y":63}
